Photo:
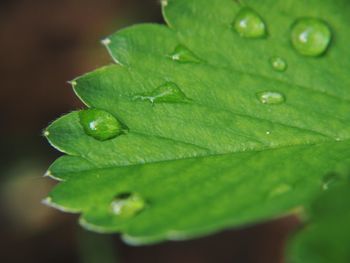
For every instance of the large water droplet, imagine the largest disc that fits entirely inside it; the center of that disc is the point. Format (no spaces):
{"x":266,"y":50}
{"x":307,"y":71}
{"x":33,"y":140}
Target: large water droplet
{"x":270,"y":97}
{"x":127,"y":205}
{"x":168,"y":92}
{"x":100,"y":124}
{"x":311,"y":36}
{"x":249,"y":23}
{"x":184,"y":55}
{"x":278,"y":64}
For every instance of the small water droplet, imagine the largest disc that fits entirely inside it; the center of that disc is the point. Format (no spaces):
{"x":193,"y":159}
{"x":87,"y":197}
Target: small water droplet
{"x":100,"y":124}
{"x":184,"y":55}
{"x":329,"y":180}
{"x":311,"y":36}
{"x":46,"y":133}
{"x":270,"y":97}
{"x":268,"y":133}
{"x":127,"y":205}
{"x":278,"y":64}
{"x":249,"y":24}
{"x":280,"y":190}
{"x":168,"y":92}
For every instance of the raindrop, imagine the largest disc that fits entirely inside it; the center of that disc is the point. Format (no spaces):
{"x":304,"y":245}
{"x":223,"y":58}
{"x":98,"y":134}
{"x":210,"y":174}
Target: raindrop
{"x":127,"y":205}
{"x":311,"y":36}
{"x":271,"y":97}
{"x":249,"y":24}
{"x":184,"y":55}
{"x":100,"y":124}
{"x":168,"y":92}
{"x":278,"y":64}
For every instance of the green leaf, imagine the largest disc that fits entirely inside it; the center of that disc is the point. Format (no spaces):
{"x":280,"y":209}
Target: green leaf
{"x":203,"y":149}
{"x":327,"y":237}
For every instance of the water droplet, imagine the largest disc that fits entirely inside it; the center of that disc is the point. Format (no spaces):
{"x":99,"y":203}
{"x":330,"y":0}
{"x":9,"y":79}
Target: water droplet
{"x":278,"y":64}
{"x":127,"y":205}
{"x":184,"y":55}
{"x":168,"y":92}
{"x":270,"y":97}
{"x":100,"y":124}
{"x":268,"y":133}
{"x":329,"y":180}
{"x":311,"y":36}
{"x":249,"y":24}
{"x":280,"y":190}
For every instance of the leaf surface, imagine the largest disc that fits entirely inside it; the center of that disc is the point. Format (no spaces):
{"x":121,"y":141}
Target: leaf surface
{"x":220,"y":158}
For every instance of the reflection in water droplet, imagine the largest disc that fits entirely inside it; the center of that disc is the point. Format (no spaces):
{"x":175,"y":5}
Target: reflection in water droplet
{"x":184,"y":55}
{"x":311,"y":36}
{"x":270,"y":97}
{"x":168,"y":92}
{"x":100,"y":124}
{"x":280,"y":190}
{"x":127,"y":205}
{"x":249,"y":24}
{"x":278,"y":64}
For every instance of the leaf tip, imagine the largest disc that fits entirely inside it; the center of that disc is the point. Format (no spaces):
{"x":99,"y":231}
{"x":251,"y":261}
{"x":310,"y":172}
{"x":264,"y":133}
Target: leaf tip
{"x":46,"y":133}
{"x":49,"y":174}
{"x":164,"y":3}
{"x":73,"y":83}
{"x":92,"y":227}
{"x":107,"y":41}
{"x":49,"y":202}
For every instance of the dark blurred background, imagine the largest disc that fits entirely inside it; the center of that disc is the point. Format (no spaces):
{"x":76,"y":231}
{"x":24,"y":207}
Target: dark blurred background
{"x":43,"y":44}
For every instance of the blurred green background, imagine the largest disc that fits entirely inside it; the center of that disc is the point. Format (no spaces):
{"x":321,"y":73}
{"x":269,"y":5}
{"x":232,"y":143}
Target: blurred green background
{"x":43,"y":44}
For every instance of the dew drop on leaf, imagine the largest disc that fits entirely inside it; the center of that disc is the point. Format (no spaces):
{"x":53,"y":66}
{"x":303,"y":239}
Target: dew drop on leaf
{"x":249,"y":24}
{"x":278,"y":64}
{"x":168,"y":92}
{"x":127,"y":205}
{"x":100,"y":124}
{"x":271,"y":97}
{"x":329,"y":180}
{"x":311,"y":36}
{"x":184,"y":55}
